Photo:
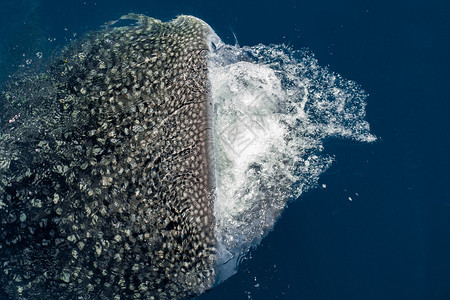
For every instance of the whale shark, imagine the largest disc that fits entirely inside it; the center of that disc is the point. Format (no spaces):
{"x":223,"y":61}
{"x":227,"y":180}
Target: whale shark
{"x":143,"y":161}
{"x":107,"y":168}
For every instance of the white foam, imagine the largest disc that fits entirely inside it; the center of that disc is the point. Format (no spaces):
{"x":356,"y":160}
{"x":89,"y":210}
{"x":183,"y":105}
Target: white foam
{"x":273,"y":107}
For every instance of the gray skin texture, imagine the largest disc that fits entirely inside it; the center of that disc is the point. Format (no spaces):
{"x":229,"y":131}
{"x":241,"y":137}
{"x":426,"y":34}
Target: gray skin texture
{"x":106,"y":178}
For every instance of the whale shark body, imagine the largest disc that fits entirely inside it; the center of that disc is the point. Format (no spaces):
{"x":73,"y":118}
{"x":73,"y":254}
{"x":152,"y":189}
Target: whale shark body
{"x":145,"y":160}
{"x":107,"y":169}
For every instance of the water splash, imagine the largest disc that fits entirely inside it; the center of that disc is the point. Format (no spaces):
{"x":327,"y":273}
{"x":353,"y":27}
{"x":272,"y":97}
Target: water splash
{"x":273,"y":109}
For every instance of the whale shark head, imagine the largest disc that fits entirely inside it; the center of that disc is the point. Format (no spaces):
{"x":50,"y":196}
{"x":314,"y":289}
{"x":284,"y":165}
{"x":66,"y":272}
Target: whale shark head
{"x":108,"y":172}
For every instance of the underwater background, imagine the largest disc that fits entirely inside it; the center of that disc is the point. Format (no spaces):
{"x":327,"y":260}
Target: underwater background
{"x":377,"y":226}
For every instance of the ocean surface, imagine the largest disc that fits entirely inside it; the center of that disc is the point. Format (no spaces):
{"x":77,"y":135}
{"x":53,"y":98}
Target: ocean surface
{"x":376,"y":225}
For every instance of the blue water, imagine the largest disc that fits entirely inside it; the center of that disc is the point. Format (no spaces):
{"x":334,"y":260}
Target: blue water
{"x":392,"y":240}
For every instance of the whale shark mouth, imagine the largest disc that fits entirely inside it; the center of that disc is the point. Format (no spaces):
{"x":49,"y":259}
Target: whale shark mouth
{"x":147,"y":159}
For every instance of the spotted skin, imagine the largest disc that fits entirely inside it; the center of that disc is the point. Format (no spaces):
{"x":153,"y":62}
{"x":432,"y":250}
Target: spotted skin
{"x":107,"y":170}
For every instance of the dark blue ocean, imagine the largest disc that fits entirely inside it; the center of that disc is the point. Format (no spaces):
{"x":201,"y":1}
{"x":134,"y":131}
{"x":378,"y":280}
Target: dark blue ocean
{"x":392,"y":239}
